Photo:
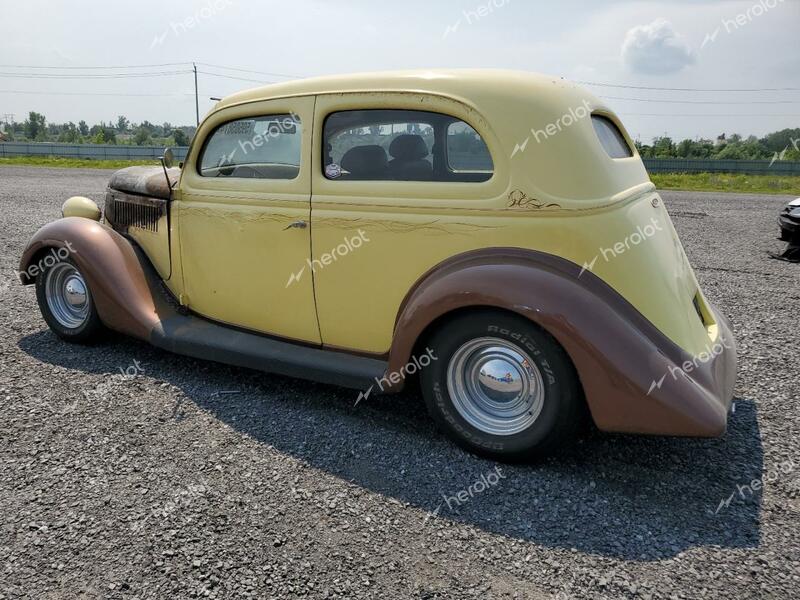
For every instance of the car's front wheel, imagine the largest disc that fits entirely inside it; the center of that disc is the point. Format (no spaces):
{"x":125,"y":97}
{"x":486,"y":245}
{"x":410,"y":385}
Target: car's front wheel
{"x":501,"y":386}
{"x":66,"y":303}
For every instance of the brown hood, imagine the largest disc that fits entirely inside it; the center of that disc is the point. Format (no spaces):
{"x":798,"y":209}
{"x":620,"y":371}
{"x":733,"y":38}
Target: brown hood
{"x":144,"y":181}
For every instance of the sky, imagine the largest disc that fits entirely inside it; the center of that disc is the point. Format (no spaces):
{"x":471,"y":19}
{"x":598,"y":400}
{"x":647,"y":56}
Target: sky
{"x":683,"y":45}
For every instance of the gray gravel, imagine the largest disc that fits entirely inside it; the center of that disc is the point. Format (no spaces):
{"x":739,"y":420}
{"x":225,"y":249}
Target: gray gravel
{"x":161,"y":485}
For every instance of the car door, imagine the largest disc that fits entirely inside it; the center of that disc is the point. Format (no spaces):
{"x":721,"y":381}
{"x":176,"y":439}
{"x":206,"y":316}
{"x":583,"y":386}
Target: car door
{"x":244,"y":215}
{"x":401,"y":182}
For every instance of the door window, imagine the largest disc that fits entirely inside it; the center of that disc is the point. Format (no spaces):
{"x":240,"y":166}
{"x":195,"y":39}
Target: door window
{"x":267,"y":147}
{"x":403,"y":145}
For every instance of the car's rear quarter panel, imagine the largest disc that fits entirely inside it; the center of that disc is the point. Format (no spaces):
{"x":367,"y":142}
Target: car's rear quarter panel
{"x":562,"y":196}
{"x":359,"y":296}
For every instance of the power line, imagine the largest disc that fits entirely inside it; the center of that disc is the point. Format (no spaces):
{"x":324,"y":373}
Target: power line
{"x":703,"y":115}
{"x":666,"y":89}
{"x":699,"y":101}
{"x":237,"y":78}
{"x":93,"y":68}
{"x":270,"y":74}
{"x":221,"y":67}
{"x":92,"y":94}
{"x":113,"y":76}
{"x":250,"y":71}
{"x":136,"y":75}
{"x":226,"y":68}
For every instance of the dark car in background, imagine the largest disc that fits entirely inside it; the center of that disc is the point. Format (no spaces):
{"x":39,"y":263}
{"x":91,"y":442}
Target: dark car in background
{"x":789,"y":220}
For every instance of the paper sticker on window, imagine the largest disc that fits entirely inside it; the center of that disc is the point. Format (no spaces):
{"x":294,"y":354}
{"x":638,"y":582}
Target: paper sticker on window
{"x":238,"y":128}
{"x":333,"y":171}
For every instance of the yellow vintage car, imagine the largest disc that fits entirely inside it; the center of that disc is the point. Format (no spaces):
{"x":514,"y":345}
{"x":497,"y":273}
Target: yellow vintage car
{"x":492,"y":234}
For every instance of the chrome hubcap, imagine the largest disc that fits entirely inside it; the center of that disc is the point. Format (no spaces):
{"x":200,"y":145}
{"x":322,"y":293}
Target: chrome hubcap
{"x":75,"y":291}
{"x":67,"y":295}
{"x":495,"y":386}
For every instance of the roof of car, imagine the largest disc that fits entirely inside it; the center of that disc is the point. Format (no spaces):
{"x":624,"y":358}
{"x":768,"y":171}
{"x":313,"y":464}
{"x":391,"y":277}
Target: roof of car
{"x":536,"y":123}
{"x":456,"y":82}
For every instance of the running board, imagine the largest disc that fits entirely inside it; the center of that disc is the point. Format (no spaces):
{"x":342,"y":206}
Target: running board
{"x":191,"y":335}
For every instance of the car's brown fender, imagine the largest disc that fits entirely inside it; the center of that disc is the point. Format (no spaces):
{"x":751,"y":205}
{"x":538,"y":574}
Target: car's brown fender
{"x":621,"y":358}
{"x":109,"y":263}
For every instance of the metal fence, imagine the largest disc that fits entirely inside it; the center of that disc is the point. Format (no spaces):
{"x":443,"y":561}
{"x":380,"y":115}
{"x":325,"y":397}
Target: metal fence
{"x":746,"y":167}
{"x":87,"y":151}
{"x":654,"y":165}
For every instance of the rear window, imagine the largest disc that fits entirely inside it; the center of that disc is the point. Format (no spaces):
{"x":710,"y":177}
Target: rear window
{"x":611,"y":137}
{"x":466,"y":150}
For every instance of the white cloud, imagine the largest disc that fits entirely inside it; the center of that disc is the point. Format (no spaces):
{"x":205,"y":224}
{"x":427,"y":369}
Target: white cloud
{"x":656,"y":49}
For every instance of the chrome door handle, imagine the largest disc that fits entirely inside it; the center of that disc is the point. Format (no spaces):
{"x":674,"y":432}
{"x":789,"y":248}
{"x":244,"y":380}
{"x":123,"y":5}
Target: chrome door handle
{"x":296,"y":225}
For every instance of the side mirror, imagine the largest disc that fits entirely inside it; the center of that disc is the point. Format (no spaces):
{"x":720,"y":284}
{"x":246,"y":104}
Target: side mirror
{"x":167,"y":161}
{"x":169,"y":158}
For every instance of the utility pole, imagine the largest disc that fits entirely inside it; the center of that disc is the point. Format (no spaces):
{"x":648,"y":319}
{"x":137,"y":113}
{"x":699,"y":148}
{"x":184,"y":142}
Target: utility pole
{"x":196,"y":96}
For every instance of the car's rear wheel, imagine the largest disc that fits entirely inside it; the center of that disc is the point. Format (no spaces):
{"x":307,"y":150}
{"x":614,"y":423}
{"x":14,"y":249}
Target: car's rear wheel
{"x":501,"y":386}
{"x":66,"y":303}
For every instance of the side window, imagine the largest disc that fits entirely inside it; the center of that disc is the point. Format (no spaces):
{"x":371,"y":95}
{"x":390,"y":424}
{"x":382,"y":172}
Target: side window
{"x":466,"y":150}
{"x":267,"y":147}
{"x":403,"y":145}
{"x":611,"y":137}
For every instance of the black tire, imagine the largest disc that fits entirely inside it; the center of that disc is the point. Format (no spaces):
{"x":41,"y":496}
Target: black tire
{"x":90,"y":330}
{"x":562,"y":410}
{"x":785,"y":235}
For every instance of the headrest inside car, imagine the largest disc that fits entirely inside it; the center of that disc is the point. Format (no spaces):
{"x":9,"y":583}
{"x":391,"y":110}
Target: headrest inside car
{"x":365,"y":161}
{"x":408,"y":147}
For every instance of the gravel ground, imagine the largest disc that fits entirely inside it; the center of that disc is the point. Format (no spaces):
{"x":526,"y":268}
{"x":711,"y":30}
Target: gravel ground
{"x":184,"y":479}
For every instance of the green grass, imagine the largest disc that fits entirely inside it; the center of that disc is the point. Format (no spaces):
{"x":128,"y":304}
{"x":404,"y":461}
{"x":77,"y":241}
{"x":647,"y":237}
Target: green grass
{"x":722,"y":182}
{"x":73,"y":163}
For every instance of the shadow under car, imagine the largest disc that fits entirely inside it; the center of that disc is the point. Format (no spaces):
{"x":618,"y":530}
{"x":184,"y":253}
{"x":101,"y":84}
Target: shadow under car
{"x":631,"y":497}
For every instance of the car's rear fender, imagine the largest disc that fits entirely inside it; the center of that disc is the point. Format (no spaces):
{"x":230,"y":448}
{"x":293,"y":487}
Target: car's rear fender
{"x":623,"y":361}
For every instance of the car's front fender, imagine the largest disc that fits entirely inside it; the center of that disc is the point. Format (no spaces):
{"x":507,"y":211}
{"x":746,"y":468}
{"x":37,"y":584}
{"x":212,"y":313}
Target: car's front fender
{"x":109,"y":263}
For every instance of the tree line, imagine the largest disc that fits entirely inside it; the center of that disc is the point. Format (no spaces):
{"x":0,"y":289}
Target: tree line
{"x":36,"y":129}
{"x":780,"y":145}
